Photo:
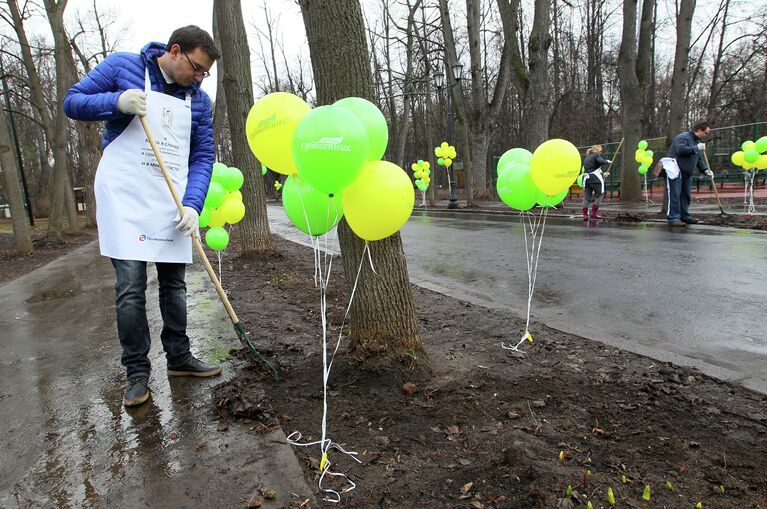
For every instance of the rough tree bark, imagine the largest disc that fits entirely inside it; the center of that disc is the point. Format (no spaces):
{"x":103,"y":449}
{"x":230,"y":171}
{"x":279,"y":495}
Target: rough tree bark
{"x":21,"y":230}
{"x":384,"y":328}
{"x":631,"y":101}
{"x":255,"y":233}
{"x":220,"y":122}
{"x":644,"y":66}
{"x":532,"y":82}
{"x":679,"y":76}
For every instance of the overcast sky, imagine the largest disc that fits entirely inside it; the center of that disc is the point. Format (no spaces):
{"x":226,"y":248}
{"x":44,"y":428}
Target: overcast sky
{"x":154,"y":20}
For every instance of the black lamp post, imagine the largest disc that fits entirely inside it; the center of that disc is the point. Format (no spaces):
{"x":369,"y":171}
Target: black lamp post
{"x":456,"y":70}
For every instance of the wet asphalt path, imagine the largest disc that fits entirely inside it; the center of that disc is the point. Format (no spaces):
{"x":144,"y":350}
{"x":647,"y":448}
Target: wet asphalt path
{"x":695,"y":297}
{"x":65,"y":438}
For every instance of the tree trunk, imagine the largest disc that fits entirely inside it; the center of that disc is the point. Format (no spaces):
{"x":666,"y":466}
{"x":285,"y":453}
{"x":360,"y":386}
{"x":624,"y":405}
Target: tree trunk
{"x":256,"y":236}
{"x":21,"y":231}
{"x":384,"y":327}
{"x":220,"y":122}
{"x":89,"y":149}
{"x":62,"y":198}
{"x":630,"y":99}
{"x":644,"y":68}
{"x":679,"y":77}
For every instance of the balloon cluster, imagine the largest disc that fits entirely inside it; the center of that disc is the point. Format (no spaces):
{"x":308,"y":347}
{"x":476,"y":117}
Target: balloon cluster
{"x":332,"y":156}
{"x":644,"y":157}
{"x":223,"y":204}
{"x":421,"y":172}
{"x":445,"y":154}
{"x":543,"y":177}
{"x":752,"y":156}
{"x":277,"y":185}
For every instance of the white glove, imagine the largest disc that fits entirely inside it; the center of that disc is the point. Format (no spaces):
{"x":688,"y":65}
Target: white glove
{"x":132,"y":102}
{"x":609,"y":161}
{"x":701,"y":146}
{"x":187,"y":224}
{"x":709,"y":173}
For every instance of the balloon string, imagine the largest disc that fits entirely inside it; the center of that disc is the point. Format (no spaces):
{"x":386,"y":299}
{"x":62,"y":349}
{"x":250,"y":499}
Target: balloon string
{"x":322,"y":270}
{"x":751,"y":207}
{"x":532,"y":256}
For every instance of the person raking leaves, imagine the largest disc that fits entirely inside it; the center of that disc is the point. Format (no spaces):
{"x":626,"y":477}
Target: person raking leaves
{"x":137,"y":218}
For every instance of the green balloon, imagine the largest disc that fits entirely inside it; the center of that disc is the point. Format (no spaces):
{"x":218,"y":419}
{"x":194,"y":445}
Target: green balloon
{"x":761,"y":144}
{"x":441,"y":161}
{"x":649,"y":154}
{"x":218,"y":170}
{"x":330,"y":147}
{"x":642,"y":169}
{"x":216,"y":238}
{"x":579,"y":180}
{"x":372,"y":120}
{"x":516,"y":188}
{"x":747,"y":145}
{"x":514,"y":155}
{"x":751,"y":155}
{"x":205,"y":217}
{"x":232,"y":179}
{"x":311,"y":211}
{"x":216,"y":195}
{"x":264,"y":170}
{"x":551,"y":201}
{"x":642,"y":145}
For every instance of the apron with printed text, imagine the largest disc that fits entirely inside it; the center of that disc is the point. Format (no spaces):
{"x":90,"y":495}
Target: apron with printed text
{"x":134,"y":207}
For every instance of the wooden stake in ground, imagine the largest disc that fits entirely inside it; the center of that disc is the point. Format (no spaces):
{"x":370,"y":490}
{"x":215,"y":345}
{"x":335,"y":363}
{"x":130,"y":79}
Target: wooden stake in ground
{"x":239,"y":329}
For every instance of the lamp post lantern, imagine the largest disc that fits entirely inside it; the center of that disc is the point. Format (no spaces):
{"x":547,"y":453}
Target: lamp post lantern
{"x":454,"y":79}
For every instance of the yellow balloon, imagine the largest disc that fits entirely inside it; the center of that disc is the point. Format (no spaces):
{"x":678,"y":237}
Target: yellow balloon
{"x":761,"y":163}
{"x":448,"y":162}
{"x":232,"y":211}
{"x":555,"y":166}
{"x":216,"y":218}
{"x":235,"y":195}
{"x":379,"y":202}
{"x":426,"y":165}
{"x":444,"y":145}
{"x":270,"y":127}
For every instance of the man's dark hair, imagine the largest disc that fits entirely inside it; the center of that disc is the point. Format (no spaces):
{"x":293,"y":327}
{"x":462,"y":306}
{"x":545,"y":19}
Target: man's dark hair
{"x":700,"y":126}
{"x":190,"y":37}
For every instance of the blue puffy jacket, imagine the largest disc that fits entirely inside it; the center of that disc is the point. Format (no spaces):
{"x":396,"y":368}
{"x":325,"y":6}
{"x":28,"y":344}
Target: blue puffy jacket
{"x":684,"y":148}
{"x":95,"y":98}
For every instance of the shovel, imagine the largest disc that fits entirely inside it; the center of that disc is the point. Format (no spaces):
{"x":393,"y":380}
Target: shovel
{"x":242,"y":335}
{"x":713,"y":184}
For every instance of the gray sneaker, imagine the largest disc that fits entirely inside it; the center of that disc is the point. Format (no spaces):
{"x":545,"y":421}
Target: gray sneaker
{"x":194,"y":367}
{"x":136,"y":391}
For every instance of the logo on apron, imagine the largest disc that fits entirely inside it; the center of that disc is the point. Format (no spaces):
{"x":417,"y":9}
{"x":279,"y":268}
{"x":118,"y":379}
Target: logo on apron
{"x":166,"y":119}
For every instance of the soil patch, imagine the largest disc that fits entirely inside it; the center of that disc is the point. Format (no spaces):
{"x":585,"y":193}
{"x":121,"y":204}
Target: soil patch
{"x":554,"y":427}
{"x":15,"y":265}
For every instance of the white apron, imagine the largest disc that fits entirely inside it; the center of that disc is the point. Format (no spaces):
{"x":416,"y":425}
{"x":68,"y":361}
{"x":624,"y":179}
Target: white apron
{"x":134,"y":207}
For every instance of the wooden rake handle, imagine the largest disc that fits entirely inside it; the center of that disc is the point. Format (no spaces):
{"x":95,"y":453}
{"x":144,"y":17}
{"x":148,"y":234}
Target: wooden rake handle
{"x":195,"y":238}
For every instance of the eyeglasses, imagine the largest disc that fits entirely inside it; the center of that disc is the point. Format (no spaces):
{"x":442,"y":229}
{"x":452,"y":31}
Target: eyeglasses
{"x":196,"y":69}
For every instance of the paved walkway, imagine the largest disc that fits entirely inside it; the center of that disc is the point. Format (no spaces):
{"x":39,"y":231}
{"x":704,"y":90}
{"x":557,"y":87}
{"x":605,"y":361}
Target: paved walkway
{"x":67,"y":441}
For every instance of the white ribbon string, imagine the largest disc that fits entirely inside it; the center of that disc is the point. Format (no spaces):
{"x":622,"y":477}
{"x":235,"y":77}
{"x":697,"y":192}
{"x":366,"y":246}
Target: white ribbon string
{"x":751,"y":207}
{"x":322,"y":267}
{"x":532,"y":255}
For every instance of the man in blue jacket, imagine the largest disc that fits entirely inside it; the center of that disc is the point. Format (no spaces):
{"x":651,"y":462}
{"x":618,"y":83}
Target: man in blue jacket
{"x":137,"y":217}
{"x":687,"y":150}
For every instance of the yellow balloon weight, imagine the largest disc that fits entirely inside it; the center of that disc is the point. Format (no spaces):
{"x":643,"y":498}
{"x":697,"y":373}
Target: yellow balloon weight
{"x":270,"y":127}
{"x":379,"y":202}
{"x":555,"y":166}
{"x":216,"y":218}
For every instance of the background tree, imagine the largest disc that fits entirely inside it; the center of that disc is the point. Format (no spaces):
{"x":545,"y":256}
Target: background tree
{"x":631,"y":102}
{"x":384,"y":328}
{"x":21,"y":230}
{"x":255,"y":233}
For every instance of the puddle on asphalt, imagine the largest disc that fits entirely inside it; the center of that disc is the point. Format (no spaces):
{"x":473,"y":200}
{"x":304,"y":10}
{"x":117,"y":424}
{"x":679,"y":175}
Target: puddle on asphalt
{"x":67,"y":286}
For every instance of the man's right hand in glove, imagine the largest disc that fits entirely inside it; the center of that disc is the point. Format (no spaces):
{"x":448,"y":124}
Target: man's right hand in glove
{"x":132,"y":102}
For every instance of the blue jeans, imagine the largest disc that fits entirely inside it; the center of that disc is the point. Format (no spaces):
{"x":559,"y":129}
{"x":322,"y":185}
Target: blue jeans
{"x":679,"y":196}
{"x":132,"y":325}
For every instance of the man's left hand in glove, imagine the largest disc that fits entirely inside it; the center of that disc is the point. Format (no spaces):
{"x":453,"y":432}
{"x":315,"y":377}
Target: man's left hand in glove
{"x":187,"y":224}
